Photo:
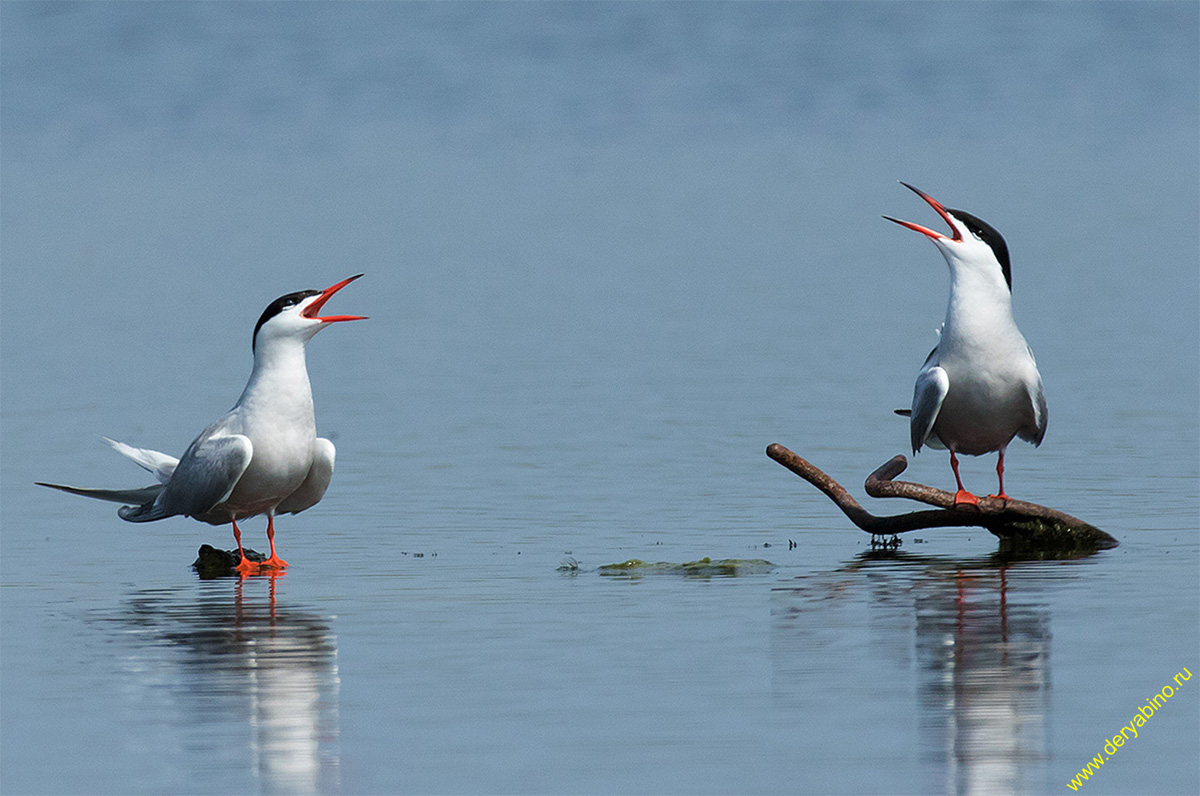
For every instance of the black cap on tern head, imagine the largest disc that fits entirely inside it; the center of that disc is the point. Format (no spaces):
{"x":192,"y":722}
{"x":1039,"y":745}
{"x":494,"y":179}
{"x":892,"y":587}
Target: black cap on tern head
{"x":979,"y":228}
{"x":988,"y":234}
{"x":277,"y":306}
{"x":310,"y":310}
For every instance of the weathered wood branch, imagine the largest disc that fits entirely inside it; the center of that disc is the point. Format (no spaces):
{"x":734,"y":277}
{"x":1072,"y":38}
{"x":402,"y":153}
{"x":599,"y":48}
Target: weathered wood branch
{"x":1018,"y":523}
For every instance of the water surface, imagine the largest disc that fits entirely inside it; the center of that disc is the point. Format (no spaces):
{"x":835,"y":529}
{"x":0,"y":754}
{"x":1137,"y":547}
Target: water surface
{"x":612,"y":252}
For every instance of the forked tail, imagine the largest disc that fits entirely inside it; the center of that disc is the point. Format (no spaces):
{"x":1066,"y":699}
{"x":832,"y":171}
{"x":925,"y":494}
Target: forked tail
{"x":130,"y":497}
{"x":139,"y":505}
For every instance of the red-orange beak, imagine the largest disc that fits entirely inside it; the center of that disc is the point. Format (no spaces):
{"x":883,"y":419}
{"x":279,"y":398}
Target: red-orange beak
{"x":936,"y":205}
{"x":312,"y":309}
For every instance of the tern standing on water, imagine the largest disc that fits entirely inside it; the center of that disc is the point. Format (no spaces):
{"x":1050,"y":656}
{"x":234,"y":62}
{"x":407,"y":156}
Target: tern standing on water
{"x":263,"y":456}
{"x":980,"y":386}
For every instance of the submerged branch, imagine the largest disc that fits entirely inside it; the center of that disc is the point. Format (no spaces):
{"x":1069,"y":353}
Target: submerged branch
{"x":1018,"y":523}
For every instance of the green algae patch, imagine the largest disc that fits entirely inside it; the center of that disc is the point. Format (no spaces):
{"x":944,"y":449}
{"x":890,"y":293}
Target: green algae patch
{"x":704,"y":568}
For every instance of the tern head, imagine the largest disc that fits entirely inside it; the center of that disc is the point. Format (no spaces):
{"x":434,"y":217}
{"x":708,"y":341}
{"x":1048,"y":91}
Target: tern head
{"x":294,"y":316}
{"x":973,"y":243}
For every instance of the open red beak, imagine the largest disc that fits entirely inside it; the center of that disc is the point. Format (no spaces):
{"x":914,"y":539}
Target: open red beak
{"x":936,"y":205}
{"x":312,"y":309}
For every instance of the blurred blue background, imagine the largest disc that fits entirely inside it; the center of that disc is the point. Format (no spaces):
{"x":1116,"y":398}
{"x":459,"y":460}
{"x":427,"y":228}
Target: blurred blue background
{"x":612,"y":251}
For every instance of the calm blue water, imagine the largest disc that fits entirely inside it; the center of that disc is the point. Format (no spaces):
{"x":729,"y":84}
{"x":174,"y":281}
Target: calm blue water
{"x":612,"y":252}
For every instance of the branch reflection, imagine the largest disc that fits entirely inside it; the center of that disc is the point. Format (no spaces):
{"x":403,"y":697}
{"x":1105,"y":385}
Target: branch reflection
{"x":968,"y":637}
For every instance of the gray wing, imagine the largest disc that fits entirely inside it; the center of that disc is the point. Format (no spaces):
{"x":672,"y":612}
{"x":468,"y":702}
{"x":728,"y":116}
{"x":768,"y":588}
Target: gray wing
{"x":932,"y":385}
{"x":1037,"y":402}
{"x":204,"y":477}
{"x":928,"y":360}
{"x":313,"y":489}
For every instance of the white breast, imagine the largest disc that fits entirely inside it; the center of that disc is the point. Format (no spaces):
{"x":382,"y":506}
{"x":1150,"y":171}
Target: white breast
{"x":276,"y":413}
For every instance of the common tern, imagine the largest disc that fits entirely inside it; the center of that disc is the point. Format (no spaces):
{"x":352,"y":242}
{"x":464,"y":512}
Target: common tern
{"x":263,"y":456}
{"x":980,"y":386}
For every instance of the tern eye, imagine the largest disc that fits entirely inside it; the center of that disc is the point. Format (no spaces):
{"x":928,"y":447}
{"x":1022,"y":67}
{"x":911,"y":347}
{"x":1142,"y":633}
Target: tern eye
{"x":976,"y":232}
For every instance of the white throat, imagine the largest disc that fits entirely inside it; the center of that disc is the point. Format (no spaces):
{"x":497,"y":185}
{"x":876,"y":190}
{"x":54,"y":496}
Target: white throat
{"x":980,"y":301}
{"x":278,"y":391}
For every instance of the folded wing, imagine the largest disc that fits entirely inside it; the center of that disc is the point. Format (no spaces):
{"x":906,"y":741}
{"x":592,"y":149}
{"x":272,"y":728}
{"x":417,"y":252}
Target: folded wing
{"x":932,"y":385}
{"x":313,"y":489}
{"x":204,"y":477}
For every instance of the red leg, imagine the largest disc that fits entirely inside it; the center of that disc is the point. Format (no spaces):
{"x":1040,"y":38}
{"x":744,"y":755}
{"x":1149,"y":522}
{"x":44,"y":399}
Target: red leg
{"x":274,"y":562}
{"x":1000,"y":474}
{"x":962,"y":495}
{"x":245,"y":566}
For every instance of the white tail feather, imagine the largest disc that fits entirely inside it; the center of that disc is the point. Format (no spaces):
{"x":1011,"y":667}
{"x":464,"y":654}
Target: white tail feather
{"x":160,"y":464}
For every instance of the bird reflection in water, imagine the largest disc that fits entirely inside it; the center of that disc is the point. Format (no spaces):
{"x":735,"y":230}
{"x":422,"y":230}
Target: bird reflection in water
{"x":977,"y":646}
{"x":984,"y":681}
{"x":241,"y":659}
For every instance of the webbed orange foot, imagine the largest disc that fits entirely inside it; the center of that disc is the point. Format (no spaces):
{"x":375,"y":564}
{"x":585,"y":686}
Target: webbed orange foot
{"x":963,"y":497}
{"x":247,"y":567}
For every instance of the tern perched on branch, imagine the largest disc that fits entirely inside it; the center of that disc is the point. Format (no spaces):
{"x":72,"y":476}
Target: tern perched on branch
{"x":263,"y":456}
{"x":980,"y":386}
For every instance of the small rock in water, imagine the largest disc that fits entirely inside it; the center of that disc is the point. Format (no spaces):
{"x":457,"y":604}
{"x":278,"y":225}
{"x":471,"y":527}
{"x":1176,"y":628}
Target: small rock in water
{"x":214,"y":563}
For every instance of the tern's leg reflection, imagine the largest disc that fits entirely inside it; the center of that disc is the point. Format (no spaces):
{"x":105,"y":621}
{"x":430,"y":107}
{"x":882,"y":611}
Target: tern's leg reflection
{"x":242,"y":656}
